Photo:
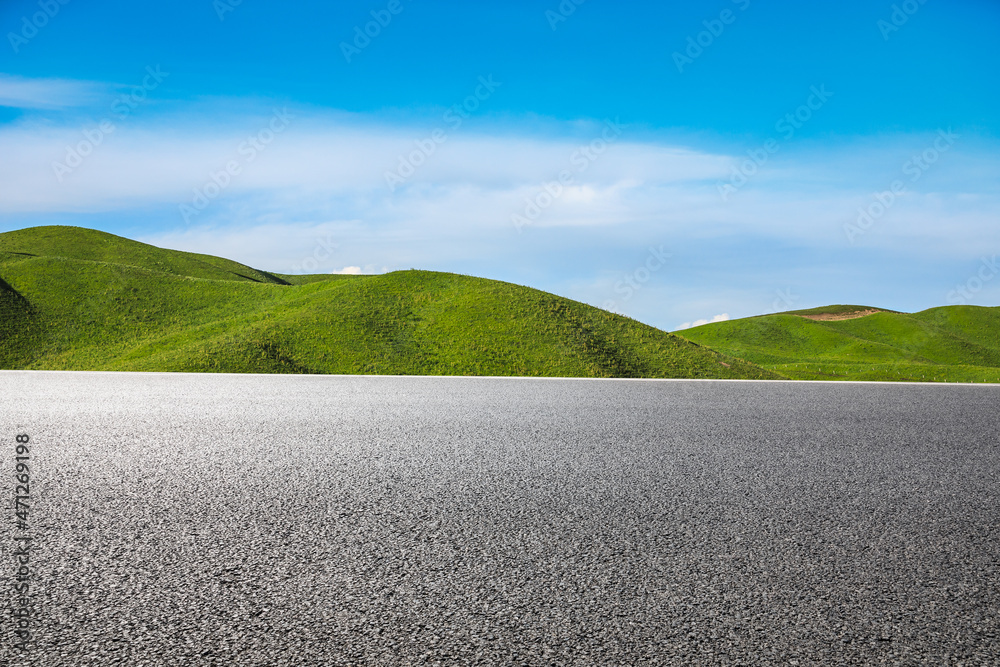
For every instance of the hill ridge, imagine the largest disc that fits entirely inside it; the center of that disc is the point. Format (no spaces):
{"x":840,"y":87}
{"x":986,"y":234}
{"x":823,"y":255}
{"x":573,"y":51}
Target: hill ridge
{"x":116,"y":304}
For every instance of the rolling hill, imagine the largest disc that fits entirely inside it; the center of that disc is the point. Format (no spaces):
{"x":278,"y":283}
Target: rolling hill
{"x":79,"y":299}
{"x":947,"y":344}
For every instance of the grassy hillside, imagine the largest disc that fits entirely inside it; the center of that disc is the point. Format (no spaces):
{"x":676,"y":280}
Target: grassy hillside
{"x":89,"y":244}
{"x":77,"y":299}
{"x":949,"y":344}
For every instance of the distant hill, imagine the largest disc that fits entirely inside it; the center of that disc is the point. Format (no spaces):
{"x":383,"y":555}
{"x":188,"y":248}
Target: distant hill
{"x":79,"y":299}
{"x":948,"y":344}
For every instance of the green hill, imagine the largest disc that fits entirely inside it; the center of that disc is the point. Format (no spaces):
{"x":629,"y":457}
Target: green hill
{"x":948,"y":344}
{"x":92,"y":245}
{"x":78,"y":299}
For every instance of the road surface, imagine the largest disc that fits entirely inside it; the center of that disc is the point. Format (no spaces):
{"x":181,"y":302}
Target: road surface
{"x":301,"y":520}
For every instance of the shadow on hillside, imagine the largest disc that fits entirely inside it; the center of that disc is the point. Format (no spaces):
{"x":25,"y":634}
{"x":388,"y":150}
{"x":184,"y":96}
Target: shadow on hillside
{"x":10,"y":296}
{"x":273,"y":277}
{"x":19,"y":328}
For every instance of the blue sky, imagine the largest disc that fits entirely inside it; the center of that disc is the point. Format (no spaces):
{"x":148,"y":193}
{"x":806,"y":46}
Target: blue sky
{"x":671,"y":161}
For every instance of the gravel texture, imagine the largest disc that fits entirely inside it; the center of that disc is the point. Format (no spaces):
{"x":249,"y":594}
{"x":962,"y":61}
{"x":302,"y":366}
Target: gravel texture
{"x":303,"y":520}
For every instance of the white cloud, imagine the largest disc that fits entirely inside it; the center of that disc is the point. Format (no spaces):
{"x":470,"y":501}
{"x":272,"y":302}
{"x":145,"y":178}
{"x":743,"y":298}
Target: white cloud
{"x":348,"y":271}
{"x":697,"y":323}
{"x":318,"y":159}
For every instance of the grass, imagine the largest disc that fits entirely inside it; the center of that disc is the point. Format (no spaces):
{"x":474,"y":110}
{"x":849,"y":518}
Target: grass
{"x":947,"y":344}
{"x":78,"y":299}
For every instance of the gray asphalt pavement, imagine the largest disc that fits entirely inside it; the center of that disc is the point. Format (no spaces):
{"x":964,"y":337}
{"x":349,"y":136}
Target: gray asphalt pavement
{"x":279,"y":520}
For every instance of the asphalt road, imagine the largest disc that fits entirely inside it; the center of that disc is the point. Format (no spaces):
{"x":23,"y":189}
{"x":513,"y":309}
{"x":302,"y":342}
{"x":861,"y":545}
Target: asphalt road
{"x":278,"y":520}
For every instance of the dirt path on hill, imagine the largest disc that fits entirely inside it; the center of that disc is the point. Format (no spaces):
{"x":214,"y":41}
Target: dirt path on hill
{"x":830,"y":317}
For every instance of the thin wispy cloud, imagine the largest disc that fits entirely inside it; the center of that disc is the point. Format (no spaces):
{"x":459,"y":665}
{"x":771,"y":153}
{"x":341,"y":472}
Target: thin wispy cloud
{"x":319,"y":168}
{"x":48,"y":94}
